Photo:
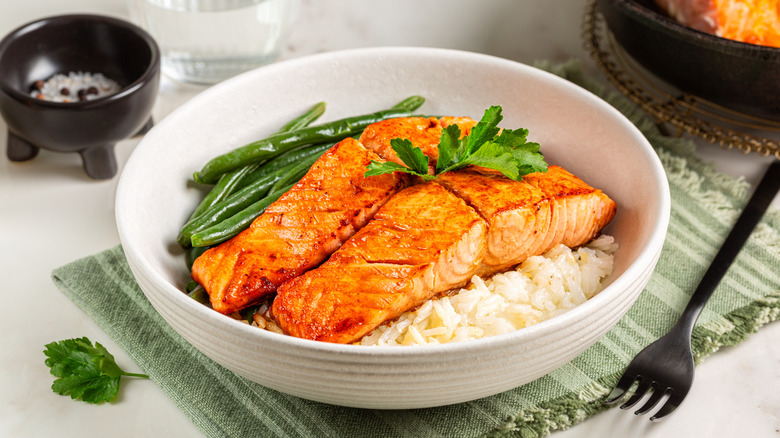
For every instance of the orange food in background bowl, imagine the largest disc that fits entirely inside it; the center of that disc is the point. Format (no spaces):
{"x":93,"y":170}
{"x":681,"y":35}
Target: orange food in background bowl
{"x":748,"y":21}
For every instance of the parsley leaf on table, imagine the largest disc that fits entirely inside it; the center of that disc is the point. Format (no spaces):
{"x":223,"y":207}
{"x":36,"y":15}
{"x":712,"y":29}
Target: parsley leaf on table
{"x":507,"y":151}
{"x":84,"y":371}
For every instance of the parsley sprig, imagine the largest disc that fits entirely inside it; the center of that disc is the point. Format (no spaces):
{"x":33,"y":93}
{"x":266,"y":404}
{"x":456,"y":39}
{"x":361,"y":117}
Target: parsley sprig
{"x":84,"y":371}
{"x":507,"y":151}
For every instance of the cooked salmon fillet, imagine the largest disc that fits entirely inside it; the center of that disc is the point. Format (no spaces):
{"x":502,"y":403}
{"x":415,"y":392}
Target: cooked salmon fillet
{"x":392,"y":264}
{"x":423,"y":132}
{"x":422,"y":242}
{"x":298,"y":231}
{"x":339,"y":274}
{"x":530,"y":216}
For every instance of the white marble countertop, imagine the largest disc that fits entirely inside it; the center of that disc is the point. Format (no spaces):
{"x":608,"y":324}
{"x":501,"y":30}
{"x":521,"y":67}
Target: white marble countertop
{"x":52,"y":214}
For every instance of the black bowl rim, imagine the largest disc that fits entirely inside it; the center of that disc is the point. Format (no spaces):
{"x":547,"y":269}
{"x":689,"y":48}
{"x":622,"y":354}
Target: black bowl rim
{"x":151,"y":71}
{"x":670,"y":26}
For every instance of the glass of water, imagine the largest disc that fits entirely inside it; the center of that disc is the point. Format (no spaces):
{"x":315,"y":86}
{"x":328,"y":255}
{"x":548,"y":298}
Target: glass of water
{"x":207,"y":41}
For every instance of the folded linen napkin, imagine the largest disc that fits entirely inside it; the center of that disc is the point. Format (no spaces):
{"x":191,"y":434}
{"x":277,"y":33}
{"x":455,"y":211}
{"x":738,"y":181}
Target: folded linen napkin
{"x":704,"y":205}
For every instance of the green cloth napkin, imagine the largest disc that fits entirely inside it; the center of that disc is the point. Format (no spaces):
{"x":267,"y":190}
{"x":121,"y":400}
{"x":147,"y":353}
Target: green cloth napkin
{"x":704,"y":205}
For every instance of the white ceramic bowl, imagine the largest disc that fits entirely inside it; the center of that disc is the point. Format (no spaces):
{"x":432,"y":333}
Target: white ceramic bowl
{"x":576,"y":130}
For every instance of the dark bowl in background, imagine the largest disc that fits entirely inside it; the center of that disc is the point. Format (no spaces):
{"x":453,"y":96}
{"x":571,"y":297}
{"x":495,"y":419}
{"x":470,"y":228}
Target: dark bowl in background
{"x":739,"y":76}
{"x":36,"y":51}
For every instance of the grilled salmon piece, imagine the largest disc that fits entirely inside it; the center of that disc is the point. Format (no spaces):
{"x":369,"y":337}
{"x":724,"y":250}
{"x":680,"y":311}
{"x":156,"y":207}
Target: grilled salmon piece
{"x":423,"y":132}
{"x":298,"y":231}
{"x":530,"y":216}
{"x":422,"y":242}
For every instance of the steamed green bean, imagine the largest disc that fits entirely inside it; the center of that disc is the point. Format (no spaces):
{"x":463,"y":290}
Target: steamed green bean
{"x":280,"y":143}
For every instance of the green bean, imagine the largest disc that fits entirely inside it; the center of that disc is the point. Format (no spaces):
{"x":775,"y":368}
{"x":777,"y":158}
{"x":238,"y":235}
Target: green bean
{"x":228,"y":228}
{"x":230,"y":206}
{"x":280,"y":143}
{"x":304,"y":119}
{"x":249,"y":313}
{"x":262,"y":183}
{"x":295,"y":174}
{"x":200,"y":295}
{"x":241,"y":199}
{"x":286,"y":159}
{"x":411,"y":103}
{"x":226,"y":185}
{"x":231,"y":181}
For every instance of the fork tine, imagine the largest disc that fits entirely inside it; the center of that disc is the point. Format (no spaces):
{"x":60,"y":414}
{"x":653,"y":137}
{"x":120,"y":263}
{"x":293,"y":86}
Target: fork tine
{"x":654,"y":399}
{"x":675,"y":399}
{"x":641,"y":390}
{"x":623,"y":385}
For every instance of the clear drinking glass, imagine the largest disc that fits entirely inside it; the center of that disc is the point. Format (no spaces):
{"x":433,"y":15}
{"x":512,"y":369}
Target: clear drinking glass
{"x":206,"y":41}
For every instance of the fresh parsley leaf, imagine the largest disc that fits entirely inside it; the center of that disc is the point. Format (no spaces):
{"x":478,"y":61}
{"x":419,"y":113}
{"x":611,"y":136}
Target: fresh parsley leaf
{"x":380,"y":168}
{"x":449,"y":142}
{"x":485,"y":130}
{"x":507,"y":151}
{"x":530,"y":158}
{"x":85,"y":371}
{"x":494,"y":156}
{"x":87,"y":384}
{"x":413,"y":157}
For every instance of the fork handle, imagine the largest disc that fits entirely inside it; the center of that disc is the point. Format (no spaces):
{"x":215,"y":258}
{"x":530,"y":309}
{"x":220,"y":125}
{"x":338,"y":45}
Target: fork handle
{"x":751,"y":215}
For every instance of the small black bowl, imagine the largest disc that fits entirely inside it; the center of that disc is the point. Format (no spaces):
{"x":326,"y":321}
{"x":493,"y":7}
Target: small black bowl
{"x":733,"y":74}
{"x":63,"y":44}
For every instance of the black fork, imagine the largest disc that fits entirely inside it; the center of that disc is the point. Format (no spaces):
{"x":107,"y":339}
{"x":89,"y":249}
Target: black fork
{"x":666,"y":366}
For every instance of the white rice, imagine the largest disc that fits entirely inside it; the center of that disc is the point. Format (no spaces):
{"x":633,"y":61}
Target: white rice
{"x":540,"y":288}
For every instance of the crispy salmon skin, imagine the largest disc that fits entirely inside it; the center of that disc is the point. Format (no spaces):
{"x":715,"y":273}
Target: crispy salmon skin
{"x":422,"y":242}
{"x":298,"y":231}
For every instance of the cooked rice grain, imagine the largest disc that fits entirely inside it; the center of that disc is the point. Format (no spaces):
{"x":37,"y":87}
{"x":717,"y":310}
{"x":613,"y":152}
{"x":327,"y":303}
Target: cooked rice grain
{"x":540,"y":288}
